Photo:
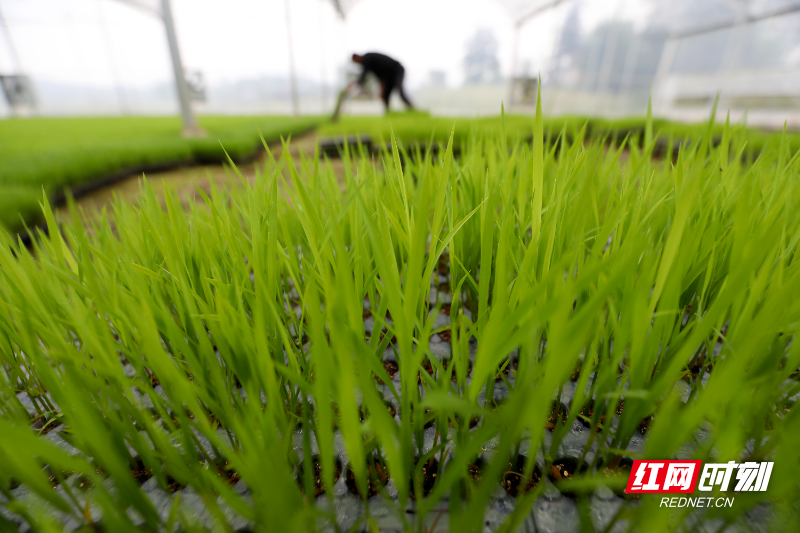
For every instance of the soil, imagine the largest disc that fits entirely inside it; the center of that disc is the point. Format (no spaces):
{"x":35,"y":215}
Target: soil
{"x":644,"y":425}
{"x":563,"y":469}
{"x":621,"y":469}
{"x":429,"y":472}
{"x":211,"y":419}
{"x":44,"y":424}
{"x":391,"y":368}
{"x":695,"y":368}
{"x":474,"y":476}
{"x":139,"y":472}
{"x":588,"y":412}
{"x":513,"y":481}
{"x":55,"y":480}
{"x":557,"y":410}
{"x":228,"y":474}
{"x":504,"y":369}
{"x":316,"y":466}
{"x":183,"y":180}
{"x":389,"y":407}
{"x":455,"y":421}
{"x":383,"y":334}
{"x":173,"y":485}
{"x":475,"y":470}
{"x":446,"y":364}
{"x":151,"y":376}
{"x":428,"y":367}
{"x":377,"y":478}
{"x":84,"y":483}
{"x":445,"y":335}
{"x":443,"y":265}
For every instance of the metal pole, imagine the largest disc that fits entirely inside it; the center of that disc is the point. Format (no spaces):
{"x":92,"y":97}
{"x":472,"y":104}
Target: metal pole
{"x":664,"y":64}
{"x":14,"y":54}
{"x":190,"y":126}
{"x":518,"y":25}
{"x":17,"y":65}
{"x":292,"y":75}
{"x":538,"y":11}
{"x":785,"y":10}
{"x":514,"y":52}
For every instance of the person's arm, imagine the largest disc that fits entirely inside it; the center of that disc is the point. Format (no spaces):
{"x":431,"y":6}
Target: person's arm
{"x":362,"y":78}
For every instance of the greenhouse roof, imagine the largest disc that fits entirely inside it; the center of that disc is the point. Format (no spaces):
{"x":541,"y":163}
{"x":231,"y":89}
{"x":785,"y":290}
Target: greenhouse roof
{"x":677,"y":16}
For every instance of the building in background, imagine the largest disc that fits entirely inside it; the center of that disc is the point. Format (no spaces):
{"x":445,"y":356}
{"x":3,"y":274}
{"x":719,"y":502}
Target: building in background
{"x":595,"y":57}
{"x":481,"y":64}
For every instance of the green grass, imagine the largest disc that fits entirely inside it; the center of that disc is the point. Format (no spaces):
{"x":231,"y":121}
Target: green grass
{"x":54,"y":153}
{"x":420,"y":128}
{"x":247,"y":310}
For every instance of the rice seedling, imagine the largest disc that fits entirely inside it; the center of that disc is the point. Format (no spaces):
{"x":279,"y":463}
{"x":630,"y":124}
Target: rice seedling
{"x":212,"y":369}
{"x":65,"y":152}
{"x":419,"y":129}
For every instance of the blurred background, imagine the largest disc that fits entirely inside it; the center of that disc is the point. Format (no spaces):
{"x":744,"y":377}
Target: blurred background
{"x":462,"y":57}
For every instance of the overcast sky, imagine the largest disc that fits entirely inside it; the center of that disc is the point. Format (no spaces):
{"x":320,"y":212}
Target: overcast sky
{"x":103,"y":42}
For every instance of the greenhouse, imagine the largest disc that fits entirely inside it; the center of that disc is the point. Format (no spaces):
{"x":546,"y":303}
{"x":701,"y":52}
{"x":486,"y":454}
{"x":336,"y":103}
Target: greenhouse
{"x":556,"y":293}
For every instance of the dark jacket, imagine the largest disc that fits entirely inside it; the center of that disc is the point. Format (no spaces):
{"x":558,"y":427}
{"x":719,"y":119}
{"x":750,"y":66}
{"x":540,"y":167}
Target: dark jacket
{"x":384,"y":67}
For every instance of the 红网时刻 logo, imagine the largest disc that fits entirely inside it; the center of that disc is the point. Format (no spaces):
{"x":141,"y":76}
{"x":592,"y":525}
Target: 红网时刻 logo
{"x":685,"y":477}
{"x":655,"y":477}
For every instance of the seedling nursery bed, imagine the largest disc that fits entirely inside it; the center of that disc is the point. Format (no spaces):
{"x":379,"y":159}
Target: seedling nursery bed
{"x":481,"y":343}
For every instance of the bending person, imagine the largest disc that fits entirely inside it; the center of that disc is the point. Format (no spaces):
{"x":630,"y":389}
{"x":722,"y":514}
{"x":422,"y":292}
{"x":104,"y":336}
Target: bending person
{"x":388,"y":71}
